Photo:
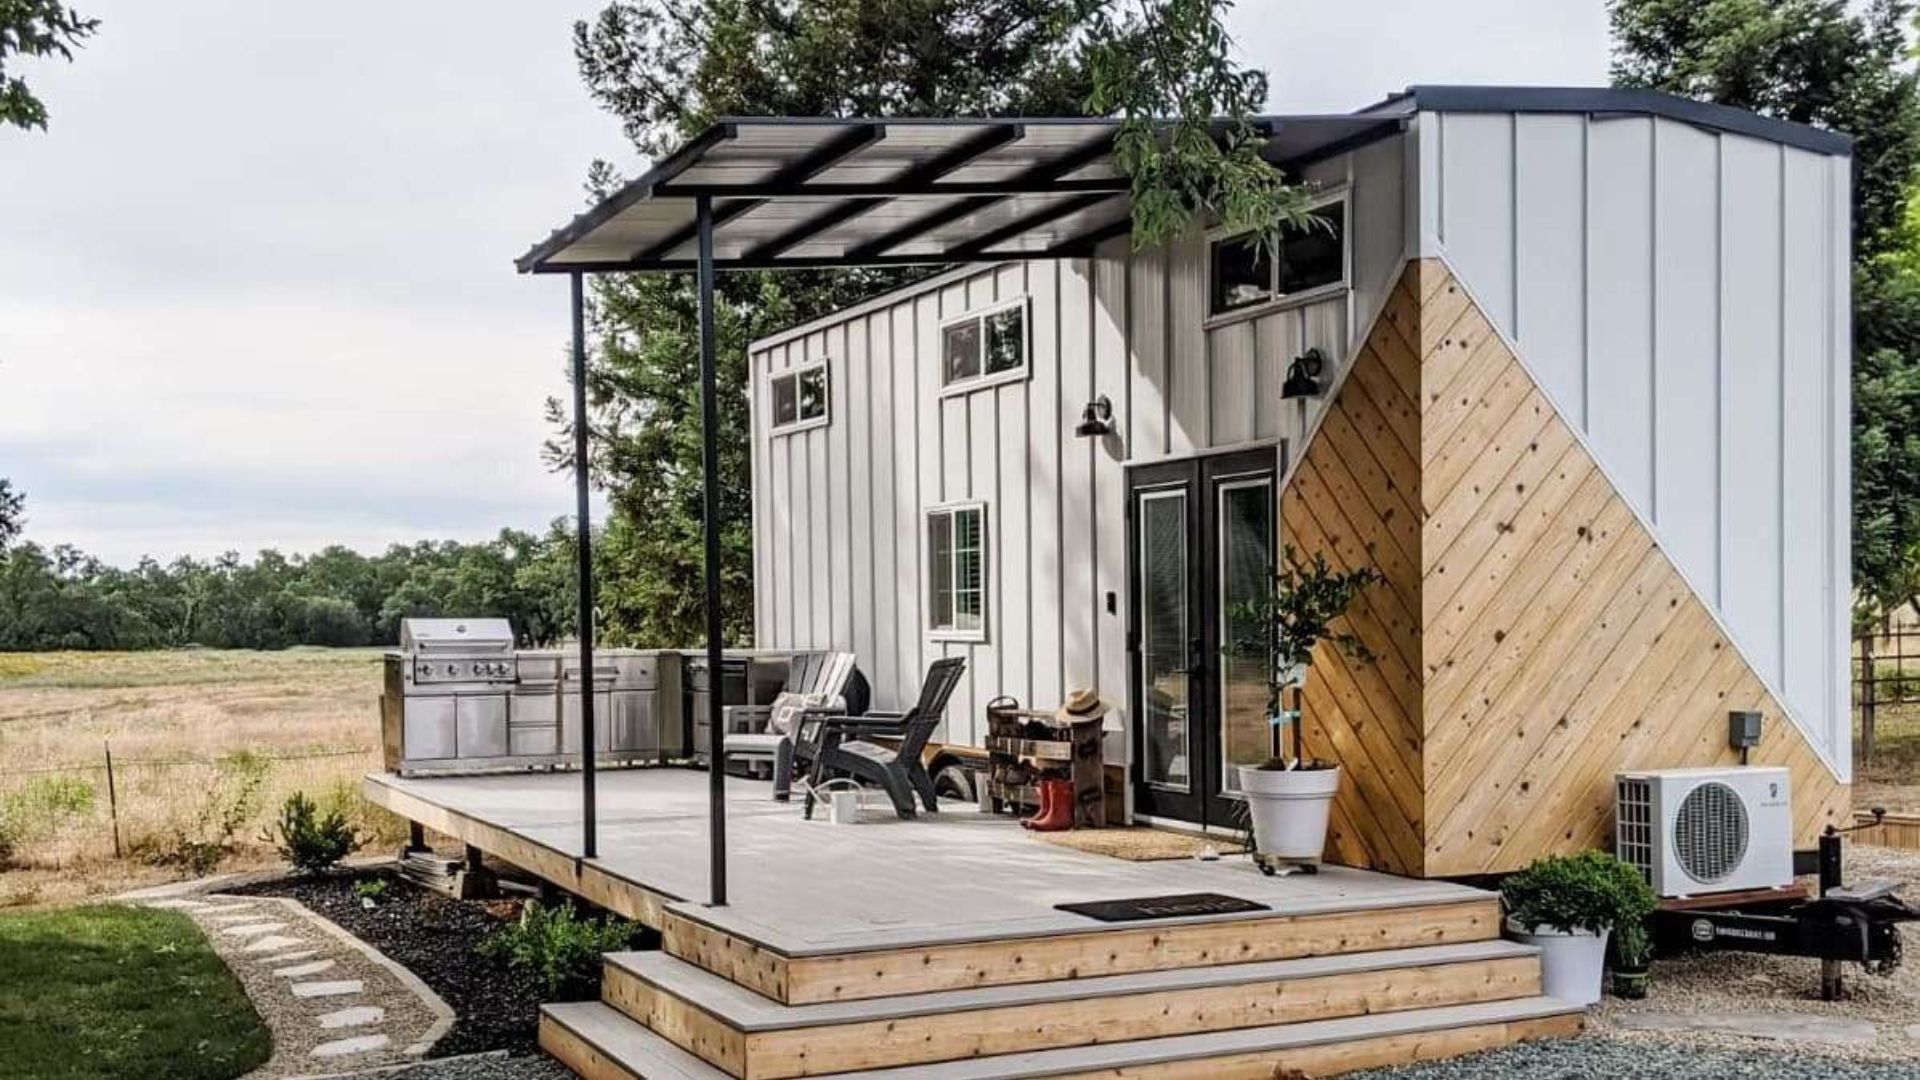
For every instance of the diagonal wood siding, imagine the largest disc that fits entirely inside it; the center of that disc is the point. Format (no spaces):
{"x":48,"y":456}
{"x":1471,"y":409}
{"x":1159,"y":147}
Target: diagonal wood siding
{"x":1355,"y":498}
{"x":1561,"y":645}
{"x":1532,"y":638}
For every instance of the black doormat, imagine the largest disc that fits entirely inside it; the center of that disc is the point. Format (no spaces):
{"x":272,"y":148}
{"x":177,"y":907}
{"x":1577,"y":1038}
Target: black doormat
{"x":1179,"y":906}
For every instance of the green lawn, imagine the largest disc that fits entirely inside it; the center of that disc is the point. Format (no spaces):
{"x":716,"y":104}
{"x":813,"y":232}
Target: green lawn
{"x":104,"y":993}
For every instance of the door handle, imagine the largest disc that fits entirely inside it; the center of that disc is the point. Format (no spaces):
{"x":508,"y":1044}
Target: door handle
{"x":1196,"y":659}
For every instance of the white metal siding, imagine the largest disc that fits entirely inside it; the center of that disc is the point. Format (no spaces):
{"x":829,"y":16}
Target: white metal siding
{"x":1681,"y":296}
{"x":839,"y":528}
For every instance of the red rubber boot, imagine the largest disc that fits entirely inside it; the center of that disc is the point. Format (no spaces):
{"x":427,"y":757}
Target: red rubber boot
{"x":1058,"y":812}
{"x":1045,"y":788}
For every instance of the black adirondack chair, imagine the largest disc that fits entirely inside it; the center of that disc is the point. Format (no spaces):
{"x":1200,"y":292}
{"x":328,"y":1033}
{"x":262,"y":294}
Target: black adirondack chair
{"x":844,"y":746}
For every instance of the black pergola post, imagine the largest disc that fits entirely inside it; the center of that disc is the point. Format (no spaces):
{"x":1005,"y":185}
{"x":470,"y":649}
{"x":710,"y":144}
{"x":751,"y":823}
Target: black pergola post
{"x":589,"y":842}
{"x":710,"y":460}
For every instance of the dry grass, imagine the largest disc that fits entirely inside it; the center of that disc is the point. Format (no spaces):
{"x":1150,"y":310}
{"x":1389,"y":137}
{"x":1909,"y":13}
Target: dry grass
{"x":1892,"y":778}
{"x":187,"y":729}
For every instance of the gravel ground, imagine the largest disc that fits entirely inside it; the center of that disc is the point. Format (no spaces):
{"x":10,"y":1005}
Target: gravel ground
{"x":1594,"y":1057}
{"x":1751,"y":983}
{"x":434,"y":937}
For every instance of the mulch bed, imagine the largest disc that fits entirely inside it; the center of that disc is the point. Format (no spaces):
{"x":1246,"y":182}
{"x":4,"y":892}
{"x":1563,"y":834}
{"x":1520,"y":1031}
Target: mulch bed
{"x":434,"y":937}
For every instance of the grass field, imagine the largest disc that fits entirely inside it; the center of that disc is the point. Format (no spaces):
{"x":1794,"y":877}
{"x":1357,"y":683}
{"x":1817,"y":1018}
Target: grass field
{"x":197,"y":736}
{"x":117,"y":993}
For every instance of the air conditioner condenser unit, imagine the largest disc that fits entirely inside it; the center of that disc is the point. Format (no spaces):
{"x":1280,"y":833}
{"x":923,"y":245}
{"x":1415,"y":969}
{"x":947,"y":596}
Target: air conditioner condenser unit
{"x":1694,"y":831}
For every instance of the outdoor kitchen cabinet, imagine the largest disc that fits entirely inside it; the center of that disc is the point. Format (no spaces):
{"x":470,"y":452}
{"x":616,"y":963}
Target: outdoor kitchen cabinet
{"x":459,"y":697}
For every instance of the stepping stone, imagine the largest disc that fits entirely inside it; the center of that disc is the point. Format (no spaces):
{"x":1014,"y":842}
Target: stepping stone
{"x":224,"y":909}
{"x":1786,"y":1027}
{"x":272,"y":943}
{"x":357,"y":1044}
{"x":253,"y":929}
{"x":177,"y":905}
{"x":353,"y":1016}
{"x":286,"y":957}
{"x":327,"y":989}
{"x":301,"y":971}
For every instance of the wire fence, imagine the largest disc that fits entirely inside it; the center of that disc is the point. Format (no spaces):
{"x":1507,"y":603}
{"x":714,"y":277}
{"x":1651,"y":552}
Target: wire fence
{"x":1886,"y":678}
{"x":155,"y":808}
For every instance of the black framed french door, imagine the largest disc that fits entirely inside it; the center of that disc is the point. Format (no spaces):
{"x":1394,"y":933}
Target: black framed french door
{"x":1201,"y":541}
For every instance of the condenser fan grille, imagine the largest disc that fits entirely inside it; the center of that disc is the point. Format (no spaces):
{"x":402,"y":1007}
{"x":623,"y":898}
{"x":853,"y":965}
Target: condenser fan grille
{"x":1710,"y":832}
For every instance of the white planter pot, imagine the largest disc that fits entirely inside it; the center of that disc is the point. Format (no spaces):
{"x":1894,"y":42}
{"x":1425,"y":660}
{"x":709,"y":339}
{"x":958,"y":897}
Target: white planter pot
{"x":1570,"y":963}
{"x":1290,"y":809}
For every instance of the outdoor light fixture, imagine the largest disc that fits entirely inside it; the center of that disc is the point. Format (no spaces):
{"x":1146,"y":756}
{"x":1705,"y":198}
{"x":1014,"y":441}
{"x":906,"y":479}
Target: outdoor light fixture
{"x":1096,"y":419}
{"x":1303,"y":375}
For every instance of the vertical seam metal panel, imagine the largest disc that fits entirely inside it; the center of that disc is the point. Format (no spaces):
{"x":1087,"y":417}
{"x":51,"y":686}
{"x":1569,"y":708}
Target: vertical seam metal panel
{"x":1780,"y":419}
{"x":1721,"y":480}
{"x":1653,"y":321}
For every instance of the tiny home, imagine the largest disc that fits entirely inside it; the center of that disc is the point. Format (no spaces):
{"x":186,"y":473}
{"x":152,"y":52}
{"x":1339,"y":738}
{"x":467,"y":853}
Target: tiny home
{"x":1568,"y":367}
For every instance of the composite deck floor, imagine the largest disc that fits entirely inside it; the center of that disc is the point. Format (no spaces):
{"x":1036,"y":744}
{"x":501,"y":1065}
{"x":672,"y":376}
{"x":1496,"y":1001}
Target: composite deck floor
{"x":807,"y":888}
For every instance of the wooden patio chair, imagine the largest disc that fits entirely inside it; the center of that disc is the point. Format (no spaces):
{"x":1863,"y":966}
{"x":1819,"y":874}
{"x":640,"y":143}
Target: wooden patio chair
{"x":828,"y":682}
{"x":845,"y":746}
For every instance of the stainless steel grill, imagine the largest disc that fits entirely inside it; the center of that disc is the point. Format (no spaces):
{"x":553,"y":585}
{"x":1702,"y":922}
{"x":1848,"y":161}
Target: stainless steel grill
{"x":459,"y":697}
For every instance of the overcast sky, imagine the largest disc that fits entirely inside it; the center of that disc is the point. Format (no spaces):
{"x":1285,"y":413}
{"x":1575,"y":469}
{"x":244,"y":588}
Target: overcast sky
{"x":256,"y":285}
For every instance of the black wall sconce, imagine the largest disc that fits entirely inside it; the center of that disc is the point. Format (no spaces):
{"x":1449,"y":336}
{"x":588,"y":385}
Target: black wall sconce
{"x":1303,"y":375}
{"x":1096,"y":419}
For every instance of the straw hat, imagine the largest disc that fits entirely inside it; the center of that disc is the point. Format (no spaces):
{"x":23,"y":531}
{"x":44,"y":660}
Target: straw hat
{"x":1081,"y":704}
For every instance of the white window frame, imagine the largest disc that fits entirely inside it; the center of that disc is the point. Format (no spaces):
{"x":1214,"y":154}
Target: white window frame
{"x":774,"y":427}
{"x":953,"y":633}
{"x":983,"y":380}
{"x":1279,"y":301}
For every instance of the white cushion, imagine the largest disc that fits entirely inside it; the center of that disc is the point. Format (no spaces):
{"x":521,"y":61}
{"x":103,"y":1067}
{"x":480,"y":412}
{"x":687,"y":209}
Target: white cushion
{"x":784,"y":713}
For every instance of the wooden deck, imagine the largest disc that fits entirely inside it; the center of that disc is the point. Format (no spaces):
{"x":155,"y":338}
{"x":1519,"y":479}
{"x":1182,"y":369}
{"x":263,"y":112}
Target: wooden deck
{"x":894,"y":949}
{"x":810,"y":888}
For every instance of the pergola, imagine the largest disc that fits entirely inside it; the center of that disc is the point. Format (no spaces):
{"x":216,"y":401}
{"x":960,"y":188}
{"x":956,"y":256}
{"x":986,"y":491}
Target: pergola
{"x":792,"y":193}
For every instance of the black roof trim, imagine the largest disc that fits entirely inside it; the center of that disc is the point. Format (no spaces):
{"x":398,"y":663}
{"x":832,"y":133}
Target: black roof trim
{"x":1604,"y":100}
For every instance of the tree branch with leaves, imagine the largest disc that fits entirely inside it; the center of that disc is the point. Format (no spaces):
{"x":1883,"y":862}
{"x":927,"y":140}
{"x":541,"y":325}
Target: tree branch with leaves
{"x":35,"y":28}
{"x":1188,"y":142}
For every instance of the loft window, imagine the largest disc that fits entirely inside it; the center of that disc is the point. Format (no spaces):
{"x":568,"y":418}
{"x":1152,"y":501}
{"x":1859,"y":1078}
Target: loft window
{"x":1243,"y":274}
{"x":957,"y":571}
{"x":984,"y":347}
{"x":800,"y":398}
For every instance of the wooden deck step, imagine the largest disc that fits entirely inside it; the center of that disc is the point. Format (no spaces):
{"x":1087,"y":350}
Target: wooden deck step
{"x":600,"y":1043}
{"x":754,"y":1037}
{"x":1007,"y":959}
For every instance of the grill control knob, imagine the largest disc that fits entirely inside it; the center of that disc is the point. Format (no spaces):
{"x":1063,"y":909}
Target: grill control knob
{"x":453,"y":669}
{"x":477,"y":670}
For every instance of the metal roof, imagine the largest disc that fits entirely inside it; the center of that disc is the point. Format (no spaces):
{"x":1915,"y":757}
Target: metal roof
{"x":802,"y":191}
{"x":792,"y":191}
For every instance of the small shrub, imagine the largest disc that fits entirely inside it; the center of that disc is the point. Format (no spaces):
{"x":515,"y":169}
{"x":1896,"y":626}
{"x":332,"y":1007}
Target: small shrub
{"x":310,"y":841}
{"x":371,"y":891}
{"x":558,"y":947}
{"x":375,"y":824}
{"x":198,"y":842}
{"x":1590,"y":891}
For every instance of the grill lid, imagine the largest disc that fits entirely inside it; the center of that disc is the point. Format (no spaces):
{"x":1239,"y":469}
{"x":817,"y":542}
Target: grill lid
{"x":464,"y":636}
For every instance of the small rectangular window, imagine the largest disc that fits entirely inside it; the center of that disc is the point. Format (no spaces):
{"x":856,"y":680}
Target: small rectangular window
{"x":957,"y":571}
{"x":1242,"y":274}
{"x":800,"y":398}
{"x":984,"y":348}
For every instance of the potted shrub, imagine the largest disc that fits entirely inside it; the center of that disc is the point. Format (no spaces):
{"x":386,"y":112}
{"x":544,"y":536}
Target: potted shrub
{"x":1632,"y":960}
{"x":1568,"y":906}
{"x":1290,"y":796}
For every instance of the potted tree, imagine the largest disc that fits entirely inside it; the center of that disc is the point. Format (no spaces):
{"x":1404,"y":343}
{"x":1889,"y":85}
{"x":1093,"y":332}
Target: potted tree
{"x":1568,"y":906}
{"x":1290,"y":796}
{"x":1632,"y":960}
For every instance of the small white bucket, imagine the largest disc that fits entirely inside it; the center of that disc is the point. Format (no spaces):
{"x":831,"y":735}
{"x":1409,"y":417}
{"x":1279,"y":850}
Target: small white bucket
{"x":843,"y":807}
